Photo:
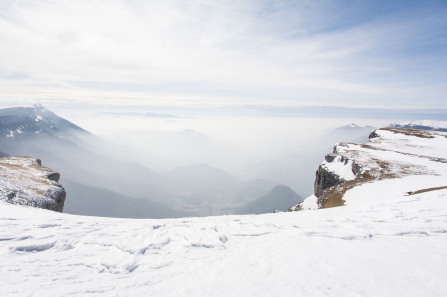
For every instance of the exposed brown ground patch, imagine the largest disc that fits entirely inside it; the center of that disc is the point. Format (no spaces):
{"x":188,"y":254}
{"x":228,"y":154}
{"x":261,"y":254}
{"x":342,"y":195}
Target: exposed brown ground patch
{"x":434,"y":159}
{"x":426,"y":190}
{"x":11,"y":166}
{"x":379,"y":169}
{"x":333,"y":196}
{"x":410,"y":132}
{"x":20,"y":172}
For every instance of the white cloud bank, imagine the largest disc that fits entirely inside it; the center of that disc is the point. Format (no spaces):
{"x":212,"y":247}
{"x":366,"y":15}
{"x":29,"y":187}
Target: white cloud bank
{"x":226,"y":52}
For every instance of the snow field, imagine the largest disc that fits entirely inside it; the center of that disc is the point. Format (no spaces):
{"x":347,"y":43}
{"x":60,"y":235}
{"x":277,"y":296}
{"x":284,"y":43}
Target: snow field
{"x":393,"y":247}
{"x":383,"y":242}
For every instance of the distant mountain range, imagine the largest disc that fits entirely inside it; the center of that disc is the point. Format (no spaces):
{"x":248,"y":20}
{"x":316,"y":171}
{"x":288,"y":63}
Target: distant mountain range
{"x":349,"y":133}
{"x":422,"y":125}
{"x":100,"y":179}
{"x":279,"y":199}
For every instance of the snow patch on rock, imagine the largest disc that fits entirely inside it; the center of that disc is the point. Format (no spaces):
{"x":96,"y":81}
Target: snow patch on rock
{"x":340,"y":166}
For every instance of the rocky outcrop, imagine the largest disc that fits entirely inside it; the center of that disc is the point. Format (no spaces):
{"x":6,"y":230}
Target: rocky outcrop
{"x":335,"y":170}
{"x":24,"y":181}
{"x":324,"y":179}
{"x":373,"y":134}
{"x":390,"y":153}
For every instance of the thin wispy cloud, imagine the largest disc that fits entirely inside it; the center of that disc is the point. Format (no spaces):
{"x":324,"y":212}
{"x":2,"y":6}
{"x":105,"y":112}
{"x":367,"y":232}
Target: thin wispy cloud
{"x":127,"y":52}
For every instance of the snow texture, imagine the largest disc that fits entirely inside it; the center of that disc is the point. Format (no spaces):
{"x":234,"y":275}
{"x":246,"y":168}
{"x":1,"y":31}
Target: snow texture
{"x":340,"y":167}
{"x":393,"y":153}
{"x":310,"y":202}
{"x":389,"y":239}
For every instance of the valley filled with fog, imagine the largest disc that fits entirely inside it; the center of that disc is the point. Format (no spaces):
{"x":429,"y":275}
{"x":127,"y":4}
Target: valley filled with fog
{"x":284,"y":151}
{"x":224,"y":164}
{"x":158,"y":167}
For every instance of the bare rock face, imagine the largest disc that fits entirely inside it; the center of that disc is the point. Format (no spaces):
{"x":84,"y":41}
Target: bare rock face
{"x":335,"y":170}
{"x":325,"y":179}
{"x":24,"y":181}
{"x":373,"y":134}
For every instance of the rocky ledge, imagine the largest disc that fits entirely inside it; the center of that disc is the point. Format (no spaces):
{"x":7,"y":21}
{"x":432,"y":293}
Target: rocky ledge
{"x":24,"y":181}
{"x":390,"y":153}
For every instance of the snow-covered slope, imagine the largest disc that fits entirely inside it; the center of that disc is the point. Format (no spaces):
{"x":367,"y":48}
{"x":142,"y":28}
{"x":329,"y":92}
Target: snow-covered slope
{"x":389,"y":239}
{"x":392,"y":246}
{"x":390,"y":153}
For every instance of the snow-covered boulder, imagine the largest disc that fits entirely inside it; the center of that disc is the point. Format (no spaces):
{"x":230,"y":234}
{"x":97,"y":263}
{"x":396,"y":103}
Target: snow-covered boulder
{"x":24,"y":181}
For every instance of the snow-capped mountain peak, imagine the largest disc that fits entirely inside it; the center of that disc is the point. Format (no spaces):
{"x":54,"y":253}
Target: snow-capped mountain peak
{"x":39,"y":106}
{"x":25,"y":121}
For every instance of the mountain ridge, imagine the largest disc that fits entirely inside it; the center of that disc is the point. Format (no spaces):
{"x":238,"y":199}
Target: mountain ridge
{"x":85,"y":160}
{"x":278,"y":199}
{"x":27,"y":120}
{"x":390,"y":153}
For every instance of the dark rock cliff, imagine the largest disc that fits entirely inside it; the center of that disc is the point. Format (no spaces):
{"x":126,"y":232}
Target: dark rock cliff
{"x":326,"y":178}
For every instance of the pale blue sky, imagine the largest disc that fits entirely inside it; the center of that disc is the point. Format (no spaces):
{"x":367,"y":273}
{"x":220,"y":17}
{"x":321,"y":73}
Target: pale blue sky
{"x":187,"y":58}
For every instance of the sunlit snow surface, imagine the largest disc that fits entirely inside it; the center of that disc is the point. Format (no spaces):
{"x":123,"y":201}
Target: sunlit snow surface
{"x":384,"y":242}
{"x":389,"y":247}
{"x":342,"y":169}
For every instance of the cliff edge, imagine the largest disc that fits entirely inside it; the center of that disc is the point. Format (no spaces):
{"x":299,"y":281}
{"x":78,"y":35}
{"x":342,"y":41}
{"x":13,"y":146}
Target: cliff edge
{"x":24,"y":181}
{"x":390,"y":153}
